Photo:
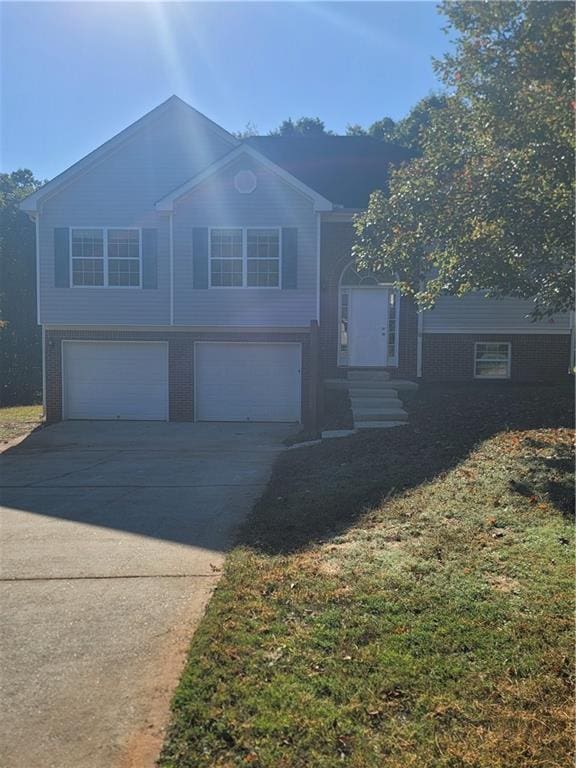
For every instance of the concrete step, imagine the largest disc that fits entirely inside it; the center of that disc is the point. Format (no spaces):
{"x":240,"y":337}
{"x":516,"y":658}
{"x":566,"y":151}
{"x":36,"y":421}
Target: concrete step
{"x":388,"y":383}
{"x":379,"y":414}
{"x":368,"y":374}
{"x":375,"y":402}
{"x":380,"y":392}
{"x":400,"y":384}
{"x":379,"y":424}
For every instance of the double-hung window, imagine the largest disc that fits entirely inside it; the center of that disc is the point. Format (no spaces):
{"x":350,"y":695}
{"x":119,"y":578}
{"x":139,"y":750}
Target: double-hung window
{"x":492,"y":360}
{"x":104,"y":256}
{"x":245,"y":257}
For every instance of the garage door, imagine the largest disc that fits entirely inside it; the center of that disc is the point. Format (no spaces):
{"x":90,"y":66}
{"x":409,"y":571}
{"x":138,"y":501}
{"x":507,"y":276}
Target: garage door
{"x":248,"y":382}
{"x":115,"y":380}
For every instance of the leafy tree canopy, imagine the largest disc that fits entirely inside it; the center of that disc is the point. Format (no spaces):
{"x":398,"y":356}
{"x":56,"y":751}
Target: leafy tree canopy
{"x":20,"y":356}
{"x":304,"y":126}
{"x":250,"y":129}
{"x":406,"y":132}
{"x":488,"y":205}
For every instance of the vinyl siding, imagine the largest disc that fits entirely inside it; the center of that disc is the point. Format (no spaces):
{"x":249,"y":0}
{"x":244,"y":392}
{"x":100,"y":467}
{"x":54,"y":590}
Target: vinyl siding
{"x":121,"y":190}
{"x":274,"y":203}
{"x":476,"y":314}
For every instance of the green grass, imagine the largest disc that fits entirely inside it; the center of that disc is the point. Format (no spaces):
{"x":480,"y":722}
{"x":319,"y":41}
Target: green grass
{"x":19,"y":420}
{"x":398,"y":598}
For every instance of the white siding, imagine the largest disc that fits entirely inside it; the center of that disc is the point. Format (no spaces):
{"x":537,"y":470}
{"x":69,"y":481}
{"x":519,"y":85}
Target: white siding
{"x":121,"y":190}
{"x":216,"y":203}
{"x":476,"y":314}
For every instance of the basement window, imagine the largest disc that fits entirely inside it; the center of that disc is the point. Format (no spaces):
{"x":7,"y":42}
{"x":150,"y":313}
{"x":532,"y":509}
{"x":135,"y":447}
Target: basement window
{"x":492,"y":360}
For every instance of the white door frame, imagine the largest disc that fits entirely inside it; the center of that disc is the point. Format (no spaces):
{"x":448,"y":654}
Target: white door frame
{"x":343,"y":359}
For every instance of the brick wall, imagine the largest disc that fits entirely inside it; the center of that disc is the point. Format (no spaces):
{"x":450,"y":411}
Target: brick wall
{"x":335,"y":255}
{"x":180,"y":364}
{"x":535,"y":357}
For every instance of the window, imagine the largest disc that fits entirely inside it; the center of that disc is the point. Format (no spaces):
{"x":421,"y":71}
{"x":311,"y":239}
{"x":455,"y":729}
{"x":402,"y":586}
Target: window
{"x":245,"y":257}
{"x":124,"y":257}
{"x":106,"y":257}
{"x":226,"y":257}
{"x":344,"y":312}
{"x":492,"y":360}
{"x":87,"y":257}
{"x":263,"y":257}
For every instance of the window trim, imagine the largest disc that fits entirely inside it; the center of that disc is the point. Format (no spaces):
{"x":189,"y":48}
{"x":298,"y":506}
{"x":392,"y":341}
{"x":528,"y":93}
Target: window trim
{"x":508,"y":361}
{"x":245,"y":286}
{"x":105,"y":257}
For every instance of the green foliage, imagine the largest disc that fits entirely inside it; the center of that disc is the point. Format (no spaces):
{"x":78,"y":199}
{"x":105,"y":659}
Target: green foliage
{"x":401,"y":599}
{"x":304,"y":126}
{"x":406,"y":132}
{"x":20,"y":341}
{"x":489,"y":203}
{"x":249,"y":130}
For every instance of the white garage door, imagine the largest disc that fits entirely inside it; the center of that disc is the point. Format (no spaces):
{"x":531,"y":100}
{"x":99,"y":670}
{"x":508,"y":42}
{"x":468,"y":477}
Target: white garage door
{"x":248,"y":381}
{"x":115,"y":380}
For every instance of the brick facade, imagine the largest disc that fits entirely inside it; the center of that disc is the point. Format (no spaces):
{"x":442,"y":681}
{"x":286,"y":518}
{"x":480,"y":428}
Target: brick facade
{"x":534,"y":357}
{"x":337,"y":239}
{"x":180,"y":364}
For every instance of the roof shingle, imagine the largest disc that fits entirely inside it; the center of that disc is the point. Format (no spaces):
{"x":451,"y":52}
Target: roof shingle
{"x":344,"y":169}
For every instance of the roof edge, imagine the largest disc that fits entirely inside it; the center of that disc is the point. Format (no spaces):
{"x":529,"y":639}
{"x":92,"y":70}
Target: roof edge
{"x":321,"y":203}
{"x":30,"y":203}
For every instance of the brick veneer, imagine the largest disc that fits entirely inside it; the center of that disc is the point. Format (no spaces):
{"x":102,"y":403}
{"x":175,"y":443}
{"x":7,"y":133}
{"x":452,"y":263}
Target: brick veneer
{"x":535,"y":357}
{"x":180,"y":363}
{"x":337,"y":239}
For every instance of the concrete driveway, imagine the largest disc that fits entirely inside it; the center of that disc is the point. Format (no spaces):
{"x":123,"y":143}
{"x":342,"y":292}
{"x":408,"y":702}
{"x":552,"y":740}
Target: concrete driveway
{"x":113,"y":536}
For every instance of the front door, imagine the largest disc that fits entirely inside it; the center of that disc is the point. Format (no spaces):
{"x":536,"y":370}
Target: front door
{"x":368,"y":326}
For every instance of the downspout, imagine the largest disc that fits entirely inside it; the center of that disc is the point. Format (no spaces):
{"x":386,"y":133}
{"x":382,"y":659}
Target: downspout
{"x":43,"y":373}
{"x":318,"y":262}
{"x":171,"y":246}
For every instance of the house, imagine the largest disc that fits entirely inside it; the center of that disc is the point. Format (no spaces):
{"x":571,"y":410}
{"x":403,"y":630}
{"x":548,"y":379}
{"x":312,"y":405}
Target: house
{"x":186,"y":275}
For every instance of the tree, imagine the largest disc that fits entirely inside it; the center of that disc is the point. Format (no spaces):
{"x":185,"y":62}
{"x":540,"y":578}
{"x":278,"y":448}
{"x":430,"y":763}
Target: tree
{"x":20,"y":340}
{"x":249,"y":130}
{"x":489,"y":203}
{"x":384,"y":129}
{"x":410,"y":130}
{"x":304,"y":126}
{"x":406,"y":132}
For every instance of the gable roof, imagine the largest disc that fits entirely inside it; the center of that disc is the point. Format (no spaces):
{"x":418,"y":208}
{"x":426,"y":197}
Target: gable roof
{"x":30,"y":203}
{"x":345,"y":169}
{"x":321,"y":203}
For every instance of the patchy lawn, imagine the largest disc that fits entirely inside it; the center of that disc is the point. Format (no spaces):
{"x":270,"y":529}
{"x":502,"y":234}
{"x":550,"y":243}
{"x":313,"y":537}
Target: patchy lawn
{"x":19,"y":420}
{"x":398,"y":598}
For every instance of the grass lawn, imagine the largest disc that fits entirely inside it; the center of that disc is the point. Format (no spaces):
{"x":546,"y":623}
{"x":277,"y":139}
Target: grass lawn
{"x":18,"y":420}
{"x":399,"y":598}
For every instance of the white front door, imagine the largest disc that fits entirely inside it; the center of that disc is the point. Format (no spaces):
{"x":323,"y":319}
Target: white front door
{"x":368,"y":326}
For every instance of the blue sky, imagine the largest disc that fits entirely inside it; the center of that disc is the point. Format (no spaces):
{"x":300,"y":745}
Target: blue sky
{"x":74,"y":74}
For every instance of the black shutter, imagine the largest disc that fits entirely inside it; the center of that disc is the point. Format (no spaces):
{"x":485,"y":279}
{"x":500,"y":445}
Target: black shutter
{"x":62,"y":257}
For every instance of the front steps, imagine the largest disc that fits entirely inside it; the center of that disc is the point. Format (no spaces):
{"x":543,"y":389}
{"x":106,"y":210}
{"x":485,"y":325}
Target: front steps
{"x":374,"y":399}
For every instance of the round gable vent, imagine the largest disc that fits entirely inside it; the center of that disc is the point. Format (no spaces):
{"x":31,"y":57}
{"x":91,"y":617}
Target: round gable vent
{"x":245,"y":182}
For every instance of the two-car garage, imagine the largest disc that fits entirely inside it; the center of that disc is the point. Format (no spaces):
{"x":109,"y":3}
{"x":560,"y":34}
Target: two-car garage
{"x":232,"y":381}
